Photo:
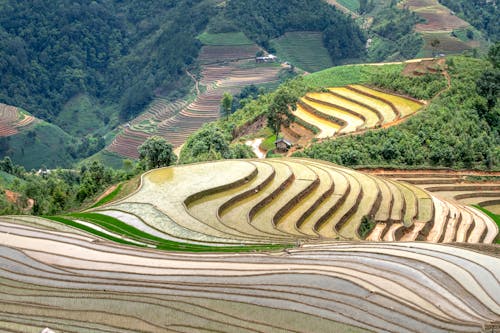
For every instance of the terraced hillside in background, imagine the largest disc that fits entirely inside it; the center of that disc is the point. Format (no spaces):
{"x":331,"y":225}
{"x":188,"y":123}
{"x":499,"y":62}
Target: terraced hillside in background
{"x":353,"y":109}
{"x":225,"y":68}
{"x":54,"y":276}
{"x":12,"y":120}
{"x":443,"y":25}
{"x":282,"y":201}
{"x":466,"y":187}
{"x":303,"y":49}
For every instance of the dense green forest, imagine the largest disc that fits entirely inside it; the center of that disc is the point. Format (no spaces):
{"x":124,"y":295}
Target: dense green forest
{"x":482,"y":14}
{"x":459,"y":129}
{"x":117,"y":51}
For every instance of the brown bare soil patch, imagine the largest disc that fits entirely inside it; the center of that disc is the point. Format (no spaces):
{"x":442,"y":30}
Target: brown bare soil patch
{"x":438,"y":17}
{"x":15,"y":198}
{"x":427,"y":66}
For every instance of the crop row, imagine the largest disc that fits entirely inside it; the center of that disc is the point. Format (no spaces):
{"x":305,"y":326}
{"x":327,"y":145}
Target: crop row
{"x":289,"y":200}
{"x":72,"y":283}
{"x":352,"y":109}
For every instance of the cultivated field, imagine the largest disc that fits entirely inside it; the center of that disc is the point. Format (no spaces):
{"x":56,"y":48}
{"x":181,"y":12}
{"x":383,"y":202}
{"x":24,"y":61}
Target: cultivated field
{"x":12,"y":120}
{"x":466,"y":187}
{"x":353,"y":109}
{"x":284,"y":200}
{"x":249,"y":246}
{"x":226,"y":68}
{"x":304,"y":49}
{"x":437,"y":16}
{"x":73,"y":282}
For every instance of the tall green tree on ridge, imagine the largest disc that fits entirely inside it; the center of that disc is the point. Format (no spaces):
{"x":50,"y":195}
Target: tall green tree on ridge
{"x":156,"y":152}
{"x":226,"y":104}
{"x":280,"y":109}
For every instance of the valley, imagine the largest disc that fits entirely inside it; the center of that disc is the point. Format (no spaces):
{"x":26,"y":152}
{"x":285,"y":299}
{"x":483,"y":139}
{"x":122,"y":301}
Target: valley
{"x":249,"y":166}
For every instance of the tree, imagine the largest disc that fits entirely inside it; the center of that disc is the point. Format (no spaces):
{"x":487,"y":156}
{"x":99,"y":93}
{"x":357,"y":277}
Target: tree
{"x":226,"y":104}
{"x":494,"y":55}
{"x":435,"y":44}
{"x":488,"y":86}
{"x":156,"y":152}
{"x":280,"y":110}
{"x":363,"y":6}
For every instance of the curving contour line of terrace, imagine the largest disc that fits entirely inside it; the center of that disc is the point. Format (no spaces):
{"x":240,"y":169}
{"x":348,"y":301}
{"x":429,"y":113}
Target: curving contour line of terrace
{"x":57,"y":277}
{"x":225,"y":69}
{"x":283,"y":201}
{"x":353,"y":109}
{"x":11,"y":120}
{"x":102,"y":271}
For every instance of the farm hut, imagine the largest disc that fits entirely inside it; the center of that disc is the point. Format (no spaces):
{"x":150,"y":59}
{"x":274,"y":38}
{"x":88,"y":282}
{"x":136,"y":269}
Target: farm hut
{"x":282,"y":145}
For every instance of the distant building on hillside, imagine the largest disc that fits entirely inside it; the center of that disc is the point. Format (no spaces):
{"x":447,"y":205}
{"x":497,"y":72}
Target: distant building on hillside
{"x":268,"y":58}
{"x":282,"y":145}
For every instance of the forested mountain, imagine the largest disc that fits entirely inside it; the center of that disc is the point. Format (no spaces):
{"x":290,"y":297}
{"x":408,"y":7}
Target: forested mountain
{"x":122,"y":51}
{"x":482,"y":14}
{"x":116,"y":51}
{"x":263,"y":20}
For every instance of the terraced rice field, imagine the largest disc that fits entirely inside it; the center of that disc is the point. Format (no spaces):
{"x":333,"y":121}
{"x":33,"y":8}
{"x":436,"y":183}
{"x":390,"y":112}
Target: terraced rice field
{"x":281,"y":201}
{"x":56,"y":277}
{"x":437,"y":16}
{"x":175,"y":121}
{"x":353,"y":109}
{"x":453,"y":185}
{"x":103,"y":271}
{"x":12,"y":120}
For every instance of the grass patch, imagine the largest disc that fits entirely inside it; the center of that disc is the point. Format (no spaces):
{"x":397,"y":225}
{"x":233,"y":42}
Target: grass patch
{"x":108,"y":197}
{"x":303,"y":49}
{"x":352,"y":5}
{"x":81,"y":115}
{"x":120,"y":228}
{"x":352,"y":74}
{"x":107,"y":158}
{"x":224,"y":39}
{"x":41,"y":144}
{"x":493,"y":216}
{"x":85,"y":228}
{"x":268,"y":143}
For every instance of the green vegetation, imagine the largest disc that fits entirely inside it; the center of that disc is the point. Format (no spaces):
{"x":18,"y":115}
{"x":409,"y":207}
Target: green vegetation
{"x":81,"y":116}
{"x":43,"y":144}
{"x":263,"y":20}
{"x":110,"y":197}
{"x":352,"y":5}
{"x":393,"y":36}
{"x":211,"y":143}
{"x":156,"y":152}
{"x":366,"y":226}
{"x":453,"y":131}
{"x":279,"y":113}
{"x":60,"y":190}
{"x":224,"y":39}
{"x":482,"y":14}
{"x":268,"y":143}
{"x":303,"y":49}
{"x":494,"y":217}
{"x":214,"y":140}
{"x":96,"y":49}
{"x":118,"y":227}
{"x":351,"y":74}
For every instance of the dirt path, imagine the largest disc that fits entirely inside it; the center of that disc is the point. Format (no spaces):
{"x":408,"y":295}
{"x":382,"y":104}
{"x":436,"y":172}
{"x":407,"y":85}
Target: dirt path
{"x":108,"y":191}
{"x":196,"y":83}
{"x":255,"y":144}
